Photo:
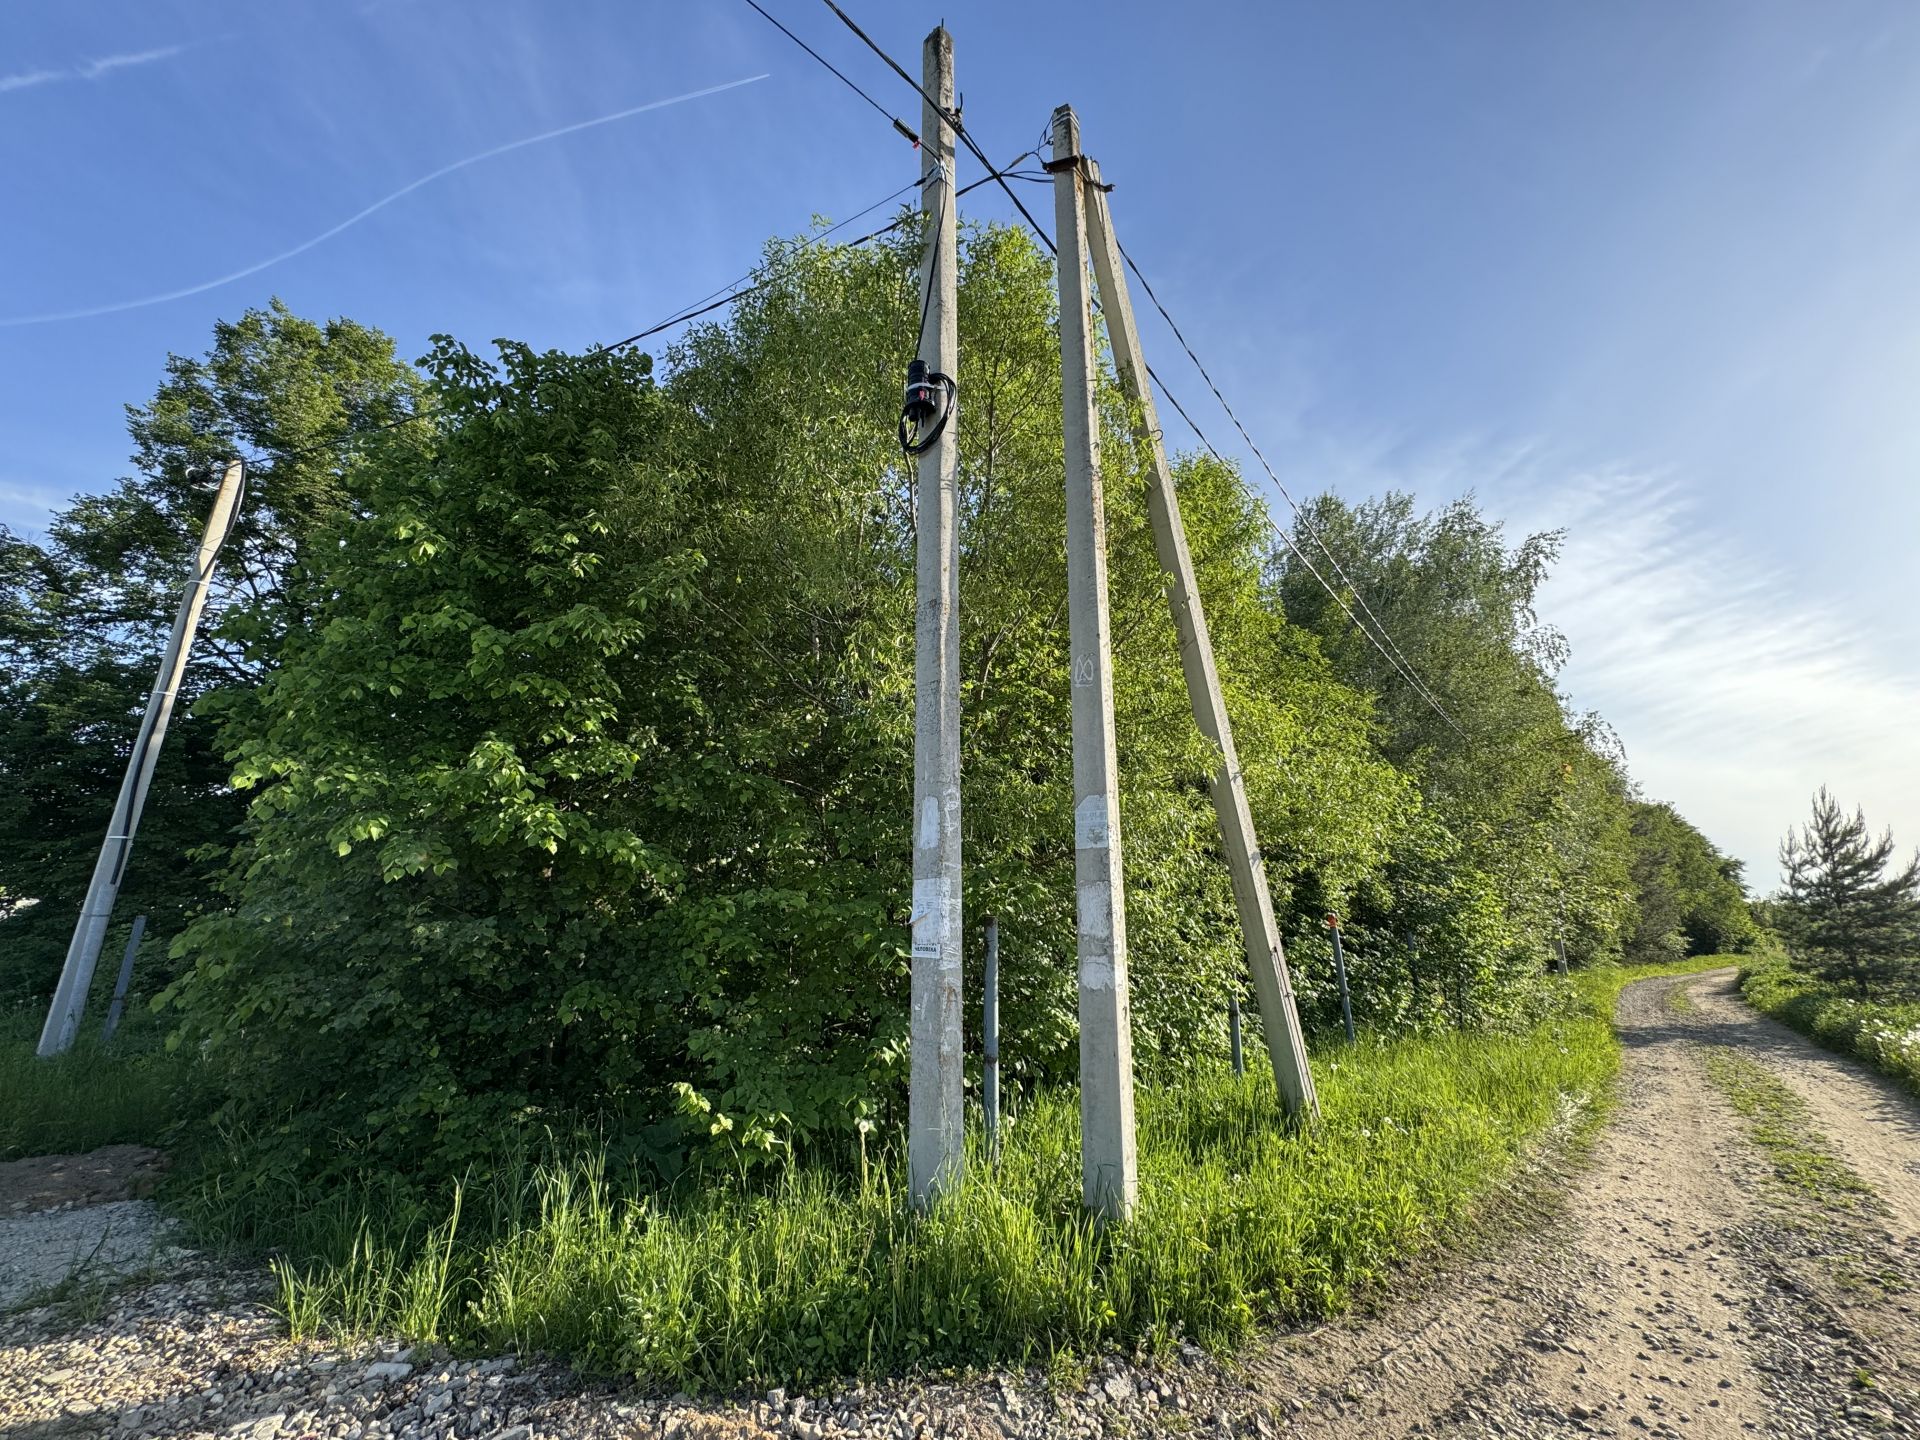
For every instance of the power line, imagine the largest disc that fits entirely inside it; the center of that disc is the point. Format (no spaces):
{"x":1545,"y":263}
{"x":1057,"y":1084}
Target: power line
{"x":891,"y":118}
{"x":733,"y":289}
{"x":739,"y":291}
{"x":707,"y":304}
{"x":1306,"y":560}
{"x":1390,"y":650}
{"x":952,"y":118}
{"x":1398,"y":658}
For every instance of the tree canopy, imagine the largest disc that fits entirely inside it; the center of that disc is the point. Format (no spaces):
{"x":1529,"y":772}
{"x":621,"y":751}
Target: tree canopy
{"x":1849,"y":911}
{"x":571,"y":719}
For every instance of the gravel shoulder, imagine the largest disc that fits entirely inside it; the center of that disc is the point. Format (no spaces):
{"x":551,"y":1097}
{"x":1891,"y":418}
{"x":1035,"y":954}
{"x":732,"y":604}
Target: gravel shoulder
{"x":1670,"y":1285}
{"x":68,"y":1220}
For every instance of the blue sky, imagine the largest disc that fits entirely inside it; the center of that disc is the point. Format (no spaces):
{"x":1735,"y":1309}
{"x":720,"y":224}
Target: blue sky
{"x":1642,"y":269}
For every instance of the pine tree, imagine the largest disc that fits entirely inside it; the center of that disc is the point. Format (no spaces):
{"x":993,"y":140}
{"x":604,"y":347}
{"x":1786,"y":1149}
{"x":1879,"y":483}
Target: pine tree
{"x":1848,"y":917}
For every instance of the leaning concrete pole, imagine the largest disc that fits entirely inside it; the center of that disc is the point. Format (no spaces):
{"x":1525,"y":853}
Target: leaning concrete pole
{"x":70,"y":997}
{"x":1109,"y":1177}
{"x":935,"y":1117}
{"x":1266,"y":960}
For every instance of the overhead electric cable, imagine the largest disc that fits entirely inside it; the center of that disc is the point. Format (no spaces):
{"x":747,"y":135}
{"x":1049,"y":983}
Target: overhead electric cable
{"x":1398,"y":658}
{"x":952,"y":116}
{"x":1390,"y":649}
{"x":714,"y":300}
{"x":891,"y":118}
{"x":733,"y":290}
{"x":1306,"y":560}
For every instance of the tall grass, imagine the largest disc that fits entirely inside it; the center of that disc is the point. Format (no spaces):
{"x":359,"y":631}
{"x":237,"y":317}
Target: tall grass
{"x":1242,"y":1220}
{"x":1884,"y":1033}
{"x":127,"y":1092}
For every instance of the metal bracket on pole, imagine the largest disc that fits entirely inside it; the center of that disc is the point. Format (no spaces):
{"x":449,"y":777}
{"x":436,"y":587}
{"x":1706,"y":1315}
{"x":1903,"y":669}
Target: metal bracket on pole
{"x":1266,"y":959}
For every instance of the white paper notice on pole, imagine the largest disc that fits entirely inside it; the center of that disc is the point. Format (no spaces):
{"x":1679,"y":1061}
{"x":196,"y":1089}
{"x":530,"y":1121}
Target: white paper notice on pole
{"x":929,"y":920}
{"x":1093,"y":823}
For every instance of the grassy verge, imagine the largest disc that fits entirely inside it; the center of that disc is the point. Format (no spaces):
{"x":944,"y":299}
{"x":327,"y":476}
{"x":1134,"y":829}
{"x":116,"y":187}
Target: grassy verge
{"x":1886,"y":1035}
{"x":1779,"y":1122}
{"x":128,"y":1092}
{"x":1242,"y":1222}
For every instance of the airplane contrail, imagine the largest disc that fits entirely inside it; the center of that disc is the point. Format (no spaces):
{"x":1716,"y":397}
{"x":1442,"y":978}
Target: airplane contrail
{"x":380,"y":204}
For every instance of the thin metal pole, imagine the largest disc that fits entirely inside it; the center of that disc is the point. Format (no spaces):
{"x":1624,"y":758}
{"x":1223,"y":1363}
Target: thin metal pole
{"x":936,"y":1118}
{"x":83,"y":953}
{"x":1109,"y":1167}
{"x":990,"y":1028}
{"x":1233,"y":1032}
{"x":126,"y":979}
{"x":1560,"y":938}
{"x":1413,"y":970}
{"x":1340,"y":969}
{"x":1266,"y":959}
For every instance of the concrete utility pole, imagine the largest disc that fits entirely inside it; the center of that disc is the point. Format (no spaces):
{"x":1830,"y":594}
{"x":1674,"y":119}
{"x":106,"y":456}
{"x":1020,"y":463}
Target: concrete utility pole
{"x":1266,"y":960}
{"x":1109,"y":1173}
{"x":935,"y":1117}
{"x":70,"y":997}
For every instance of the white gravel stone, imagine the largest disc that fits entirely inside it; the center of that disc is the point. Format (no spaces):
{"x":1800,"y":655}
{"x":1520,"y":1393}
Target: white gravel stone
{"x":85,"y":1243}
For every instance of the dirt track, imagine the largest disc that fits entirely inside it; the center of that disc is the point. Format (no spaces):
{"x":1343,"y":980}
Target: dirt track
{"x":1678,"y":1288}
{"x":1669,"y":1285}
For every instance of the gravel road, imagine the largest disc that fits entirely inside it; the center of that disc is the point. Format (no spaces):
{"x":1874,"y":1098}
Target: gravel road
{"x":1677,"y":1288}
{"x":1670,"y":1285}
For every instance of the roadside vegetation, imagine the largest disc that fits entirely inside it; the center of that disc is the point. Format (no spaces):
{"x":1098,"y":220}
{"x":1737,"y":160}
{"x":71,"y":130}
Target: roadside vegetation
{"x":529,"y":869}
{"x":1884,"y":1033}
{"x":1845,"y":971}
{"x":810,"y":1272}
{"x":130,"y":1092}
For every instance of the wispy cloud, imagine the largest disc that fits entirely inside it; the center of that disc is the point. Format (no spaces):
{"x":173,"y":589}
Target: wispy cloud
{"x":107,"y":64}
{"x":94,"y":69}
{"x":1736,"y":692}
{"x":27,"y":79}
{"x":380,"y":204}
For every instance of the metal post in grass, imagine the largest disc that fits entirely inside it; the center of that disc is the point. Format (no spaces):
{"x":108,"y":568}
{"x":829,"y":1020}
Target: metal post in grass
{"x":126,"y":979}
{"x":1233,"y":1031}
{"x":990,"y":1033}
{"x":1413,"y":969}
{"x":1340,"y":969}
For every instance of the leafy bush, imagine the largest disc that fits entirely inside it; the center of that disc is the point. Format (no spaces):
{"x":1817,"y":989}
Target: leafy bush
{"x":1884,"y":1033}
{"x":584,"y":793}
{"x":814,"y":1274}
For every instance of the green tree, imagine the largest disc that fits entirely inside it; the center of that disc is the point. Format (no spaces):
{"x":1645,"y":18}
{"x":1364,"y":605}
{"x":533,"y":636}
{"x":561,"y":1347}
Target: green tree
{"x":1688,"y":896}
{"x":84,"y":616}
{"x":1533,"y":794}
{"x":1849,"y":913}
{"x":586,"y":788}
